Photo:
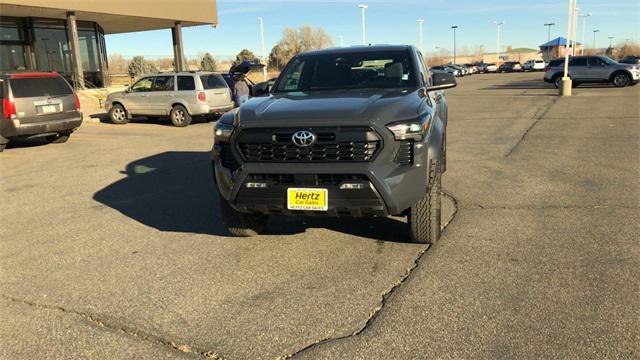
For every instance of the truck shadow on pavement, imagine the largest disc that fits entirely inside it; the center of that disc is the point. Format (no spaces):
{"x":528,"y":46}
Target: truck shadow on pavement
{"x":174,"y":191}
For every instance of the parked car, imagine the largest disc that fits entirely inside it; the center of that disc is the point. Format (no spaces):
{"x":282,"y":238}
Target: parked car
{"x":450,"y":70}
{"x":357,"y":131}
{"x":630,"y":60}
{"x":510,"y":66}
{"x":593,"y":69}
{"x":181,"y":96}
{"x":473,"y":68}
{"x":461,"y":69}
{"x":35,"y":105}
{"x":488,"y":68}
{"x":534,"y":65}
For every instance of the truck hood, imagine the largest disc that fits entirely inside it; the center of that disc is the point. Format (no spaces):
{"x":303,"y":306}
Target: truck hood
{"x":330,"y":108}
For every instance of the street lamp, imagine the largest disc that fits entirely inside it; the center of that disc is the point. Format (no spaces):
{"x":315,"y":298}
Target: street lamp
{"x":565,"y":89}
{"x":584,"y":24}
{"x":594,"y":38}
{"x":611,"y":41}
{"x":549,"y":25}
{"x":499,"y":24}
{"x":420,"y":22}
{"x":576,"y":12}
{"x":454,"y":27}
{"x":264,"y":69}
{"x":363,"y":7}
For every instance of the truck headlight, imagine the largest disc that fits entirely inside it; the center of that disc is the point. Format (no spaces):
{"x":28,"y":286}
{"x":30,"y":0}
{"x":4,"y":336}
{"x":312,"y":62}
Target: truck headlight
{"x":223,"y":131}
{"x":412,"y":129}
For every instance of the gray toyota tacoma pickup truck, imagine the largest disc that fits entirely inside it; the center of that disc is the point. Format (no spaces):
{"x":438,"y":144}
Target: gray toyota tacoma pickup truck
{"x":357,"y":131}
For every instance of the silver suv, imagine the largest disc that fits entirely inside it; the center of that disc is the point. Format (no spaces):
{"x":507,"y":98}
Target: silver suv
{"x":593,"y":69}
{"x":177,"y":95}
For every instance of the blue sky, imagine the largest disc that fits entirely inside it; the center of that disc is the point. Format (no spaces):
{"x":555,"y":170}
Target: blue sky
{"x":389,"y":22}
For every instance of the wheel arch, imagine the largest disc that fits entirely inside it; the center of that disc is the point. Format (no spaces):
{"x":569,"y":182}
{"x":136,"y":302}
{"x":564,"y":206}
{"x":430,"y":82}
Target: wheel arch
{"x":620,"y":71}
{"x":181,"y":103}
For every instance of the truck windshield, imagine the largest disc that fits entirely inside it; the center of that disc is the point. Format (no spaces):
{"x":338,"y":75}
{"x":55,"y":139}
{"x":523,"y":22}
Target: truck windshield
{"x":346,"y":71}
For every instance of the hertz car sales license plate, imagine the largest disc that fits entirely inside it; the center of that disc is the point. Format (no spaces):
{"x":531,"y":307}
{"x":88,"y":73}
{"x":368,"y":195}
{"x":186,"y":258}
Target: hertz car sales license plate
{"x":308,"y":199}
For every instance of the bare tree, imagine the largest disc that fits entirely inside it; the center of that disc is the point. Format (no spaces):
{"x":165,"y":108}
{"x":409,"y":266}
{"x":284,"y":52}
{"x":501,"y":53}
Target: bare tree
{"x":118,"y":64}
{"x":295,"y":41}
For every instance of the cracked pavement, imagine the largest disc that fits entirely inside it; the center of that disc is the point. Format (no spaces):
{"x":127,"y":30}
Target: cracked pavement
{"x":111,"y":246}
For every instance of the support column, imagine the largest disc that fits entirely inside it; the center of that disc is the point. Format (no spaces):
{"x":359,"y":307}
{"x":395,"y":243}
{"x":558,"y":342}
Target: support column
{"x":178,"y":49}
{"x":76,"y":61}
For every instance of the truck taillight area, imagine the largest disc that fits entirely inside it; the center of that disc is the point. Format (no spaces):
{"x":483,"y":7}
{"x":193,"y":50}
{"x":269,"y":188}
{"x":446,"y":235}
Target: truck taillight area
{"x":8,"y":108}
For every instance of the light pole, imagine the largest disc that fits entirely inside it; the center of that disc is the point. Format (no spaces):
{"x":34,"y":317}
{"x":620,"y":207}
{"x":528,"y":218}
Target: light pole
{"x":549,"y":25}
{"x":594,"y":38}
{"x":499,"y":24}
{"x":576,"y":13}
{"x":421,"y":44}
{"x":264,"y":69}
{"x":584,"y":25}
{"x":454,"y":27}
{"x":611,"y":41}
{"x":565,"y":89}
{"x":341,"y":40}
{"x":363,"y":7}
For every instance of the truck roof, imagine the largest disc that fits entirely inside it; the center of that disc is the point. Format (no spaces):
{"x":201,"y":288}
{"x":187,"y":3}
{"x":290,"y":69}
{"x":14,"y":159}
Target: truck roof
{"x":358,"y":48}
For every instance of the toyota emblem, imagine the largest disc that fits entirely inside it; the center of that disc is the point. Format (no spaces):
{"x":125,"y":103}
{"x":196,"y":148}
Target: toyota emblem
{"x":303,"y":138}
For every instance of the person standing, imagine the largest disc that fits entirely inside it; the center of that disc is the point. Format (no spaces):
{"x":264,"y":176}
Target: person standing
{"x":241,"y":90}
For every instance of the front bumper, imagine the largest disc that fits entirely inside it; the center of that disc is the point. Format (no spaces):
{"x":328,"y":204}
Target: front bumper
{"x":392,"y":188}
{"x":14,"y":128}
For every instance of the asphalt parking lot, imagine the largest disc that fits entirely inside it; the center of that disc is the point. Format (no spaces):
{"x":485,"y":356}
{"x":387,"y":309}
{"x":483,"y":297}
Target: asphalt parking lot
{"x":112,"y":247}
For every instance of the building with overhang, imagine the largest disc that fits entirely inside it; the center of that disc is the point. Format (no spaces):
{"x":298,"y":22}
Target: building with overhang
{"x":67,"y":36}
{"x":556,"y":48}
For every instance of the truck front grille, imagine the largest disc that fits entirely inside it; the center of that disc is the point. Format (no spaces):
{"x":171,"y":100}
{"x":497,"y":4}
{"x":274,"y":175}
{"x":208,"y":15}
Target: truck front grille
{"x":332,"y":145}
{"x":306,"y":179}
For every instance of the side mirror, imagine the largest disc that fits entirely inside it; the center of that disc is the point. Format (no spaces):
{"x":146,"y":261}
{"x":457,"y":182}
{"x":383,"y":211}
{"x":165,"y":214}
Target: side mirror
{"x":441,"y":81}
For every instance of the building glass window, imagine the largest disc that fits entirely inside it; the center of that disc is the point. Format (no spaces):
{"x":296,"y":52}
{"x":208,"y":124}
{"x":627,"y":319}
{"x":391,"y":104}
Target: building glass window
{"x":11,"y":29}
{"x":88,"y":50}
{"x":52,"y":50}
{"x":12,"y":57}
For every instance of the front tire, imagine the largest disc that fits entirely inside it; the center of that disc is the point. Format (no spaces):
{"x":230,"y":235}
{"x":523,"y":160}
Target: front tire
{"x":180,"y":116}
{"x":621,"y":80}
{"x":241,"y":224}
{"x":118,"y":115}
{"x":424,"y":218}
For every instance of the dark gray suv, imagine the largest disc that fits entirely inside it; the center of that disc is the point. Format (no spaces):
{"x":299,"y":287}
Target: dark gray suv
{"x":357,"y":131}
{"x":36,"y":104}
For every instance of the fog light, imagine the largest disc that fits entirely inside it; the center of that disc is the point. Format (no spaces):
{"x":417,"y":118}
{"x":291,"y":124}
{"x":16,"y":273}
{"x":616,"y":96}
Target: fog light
{"x":256,"y":185}
{"x":353,"y":186}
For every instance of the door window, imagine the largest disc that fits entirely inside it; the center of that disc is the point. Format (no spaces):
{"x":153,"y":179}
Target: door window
{"x":163,"y":83}
{"x":213,"y":81}
{"x":186,"y":83}
{"x":143,"y":85}
{"x":578,"y":62}
{"x":596,"y":62}
{"x":423,"y":69}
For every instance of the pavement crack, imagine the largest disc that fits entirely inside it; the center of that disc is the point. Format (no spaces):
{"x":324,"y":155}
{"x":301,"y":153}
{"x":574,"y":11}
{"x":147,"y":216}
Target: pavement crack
{"x":539,"y":115}
{"x":550,"y":207}
{"x":130,"y":331}
{"x":384,"y":297}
